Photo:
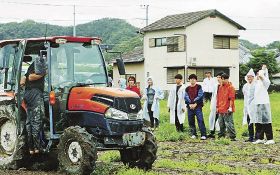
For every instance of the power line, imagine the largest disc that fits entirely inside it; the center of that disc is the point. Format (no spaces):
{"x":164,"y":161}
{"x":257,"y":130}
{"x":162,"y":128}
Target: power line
{"x":264,"y":29}
{"x":64,"y":5}
{"x":40,"y":4}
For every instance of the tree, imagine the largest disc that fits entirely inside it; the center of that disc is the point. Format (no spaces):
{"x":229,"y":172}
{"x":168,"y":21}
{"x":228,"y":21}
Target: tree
{"x":248,"y":44}
{"x":243,"y":70}
{"x":274,"y":45}
{"x":263,"y":56}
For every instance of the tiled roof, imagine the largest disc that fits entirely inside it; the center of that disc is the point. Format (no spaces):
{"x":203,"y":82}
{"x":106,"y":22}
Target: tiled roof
{"x":135,"y":56}
{"x":186,"y":19}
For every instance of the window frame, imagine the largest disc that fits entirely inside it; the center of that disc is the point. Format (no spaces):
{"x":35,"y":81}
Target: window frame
{"x":175,"y":68}
{"x":214,"y":71}
{"x":226,"y":41}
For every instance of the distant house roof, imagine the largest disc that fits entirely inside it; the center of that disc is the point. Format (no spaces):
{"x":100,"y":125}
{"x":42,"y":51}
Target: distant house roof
{"x":244,"y":54}
{"x":135,"y":56}
{"x":186,"y":19}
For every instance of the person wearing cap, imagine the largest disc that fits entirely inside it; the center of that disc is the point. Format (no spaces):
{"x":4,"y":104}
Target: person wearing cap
{"x":262,"y":117}
{"x":132,"y":86}
{"x":208,"y":85}
{"x":226,"y":108}
{"x":194,"y":101}
{"x":213,"y":116}
{"x":151,"y":108}
{"x":176,"y":103}
{"x":249,"y":106}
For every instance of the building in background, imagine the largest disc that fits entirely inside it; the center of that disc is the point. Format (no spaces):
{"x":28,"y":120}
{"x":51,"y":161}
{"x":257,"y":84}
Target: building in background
{"x":134,"y":66}
{"x":190,"y":43}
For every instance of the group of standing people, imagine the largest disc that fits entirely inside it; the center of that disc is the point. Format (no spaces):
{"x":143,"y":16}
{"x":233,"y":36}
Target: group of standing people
{"x":221,"y":94}
{"x":257,"y":110}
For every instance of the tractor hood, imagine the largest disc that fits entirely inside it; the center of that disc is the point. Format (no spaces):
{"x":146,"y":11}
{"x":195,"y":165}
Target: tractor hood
{"x":98,"y":99}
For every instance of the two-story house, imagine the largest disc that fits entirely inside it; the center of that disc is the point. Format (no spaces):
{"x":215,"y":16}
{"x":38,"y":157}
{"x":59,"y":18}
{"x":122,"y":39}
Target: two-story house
{"x":190,"y":43}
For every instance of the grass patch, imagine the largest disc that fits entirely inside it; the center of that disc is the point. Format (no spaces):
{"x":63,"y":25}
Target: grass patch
{"x":223,"y":141}
{"x":110,"y":156}
{"x":136,"y":171}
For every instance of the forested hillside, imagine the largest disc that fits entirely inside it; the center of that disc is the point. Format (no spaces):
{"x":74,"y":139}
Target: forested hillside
{"x":122,"y":35}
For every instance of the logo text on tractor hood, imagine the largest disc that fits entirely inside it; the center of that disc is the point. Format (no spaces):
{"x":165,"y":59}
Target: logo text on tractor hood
{"x":132,"y":106}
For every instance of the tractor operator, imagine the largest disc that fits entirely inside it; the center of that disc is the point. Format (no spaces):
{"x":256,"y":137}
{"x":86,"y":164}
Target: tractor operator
{"x":33,"y":98}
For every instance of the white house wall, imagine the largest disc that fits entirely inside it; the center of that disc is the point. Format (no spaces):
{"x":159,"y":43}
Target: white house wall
{"x":199,"y":44}
{"x":157,"y":58}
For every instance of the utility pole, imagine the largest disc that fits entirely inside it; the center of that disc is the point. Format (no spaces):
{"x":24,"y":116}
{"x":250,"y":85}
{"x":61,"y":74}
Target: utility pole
{"x":74,"y":26}
{"x":147,"y":13}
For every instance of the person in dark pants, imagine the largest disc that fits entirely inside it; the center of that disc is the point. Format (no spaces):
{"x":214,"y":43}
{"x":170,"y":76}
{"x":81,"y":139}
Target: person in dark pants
{"x":213,"y":117}
{"x":262,"y":117}
{"x":151,"y":108}
{"x":249,"y":109}
{"x":33,"y":98}
{"x":207,"y":86}
{"x":194,"y":101}
{"x":176,"y":103}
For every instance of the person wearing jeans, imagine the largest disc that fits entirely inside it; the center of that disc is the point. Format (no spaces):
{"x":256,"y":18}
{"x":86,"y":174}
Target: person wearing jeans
{"x":194,"y":102}
{"x":226,"y":108}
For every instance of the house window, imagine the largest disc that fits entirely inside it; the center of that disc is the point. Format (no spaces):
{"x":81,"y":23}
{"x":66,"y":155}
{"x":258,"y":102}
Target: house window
{"x":172,"y":72}
{"x":225,"y":42}
{"x":157,"y":42}
{"x":200,"y":72}
{"x":221,"y":69}
{"x":176,"y":43}
{"x":160,"y":42}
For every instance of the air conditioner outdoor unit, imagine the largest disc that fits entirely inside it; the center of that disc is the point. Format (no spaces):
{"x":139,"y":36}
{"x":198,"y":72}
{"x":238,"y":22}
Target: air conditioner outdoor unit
{"x":193,"y":61}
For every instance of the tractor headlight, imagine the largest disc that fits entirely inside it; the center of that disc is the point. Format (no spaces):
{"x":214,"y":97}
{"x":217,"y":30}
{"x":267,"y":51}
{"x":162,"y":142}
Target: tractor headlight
{"x":116,"y":114}
{"x":140,"y":115}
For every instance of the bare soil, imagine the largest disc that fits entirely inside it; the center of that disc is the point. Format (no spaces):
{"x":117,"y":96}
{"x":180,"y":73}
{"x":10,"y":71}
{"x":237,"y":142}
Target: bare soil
{"x":237,"y":155}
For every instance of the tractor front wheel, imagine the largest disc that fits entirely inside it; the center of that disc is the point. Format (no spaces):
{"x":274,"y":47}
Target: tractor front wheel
{"x":77,"y":151}
{"x":142,"y":157}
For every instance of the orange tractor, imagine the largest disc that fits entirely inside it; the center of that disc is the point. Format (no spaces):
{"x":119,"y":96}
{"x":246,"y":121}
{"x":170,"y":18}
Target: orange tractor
{"x":82,"y":114}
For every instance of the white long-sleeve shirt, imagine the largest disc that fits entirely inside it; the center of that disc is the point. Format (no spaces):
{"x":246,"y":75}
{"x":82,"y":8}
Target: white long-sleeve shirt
{"x":208,"y":84}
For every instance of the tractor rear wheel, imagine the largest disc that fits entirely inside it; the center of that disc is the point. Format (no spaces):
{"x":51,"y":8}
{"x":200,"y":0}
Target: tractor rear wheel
{"x":77,"y":151}
{"x":142,"y":157}
{"x":13,"y":152}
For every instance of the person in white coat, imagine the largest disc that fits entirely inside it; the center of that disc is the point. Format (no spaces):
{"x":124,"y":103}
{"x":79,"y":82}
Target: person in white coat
{"x":176,"y":103}
{"x":213,"y":116}
{"x":262,"y":117}
{"x":208,"y":85}
{"x":249,"y":105}
{"x":151,"y":108}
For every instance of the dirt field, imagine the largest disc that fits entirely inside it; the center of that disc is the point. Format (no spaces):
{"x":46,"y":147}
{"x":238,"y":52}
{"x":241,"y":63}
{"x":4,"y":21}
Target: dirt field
{"x":194,"y":157}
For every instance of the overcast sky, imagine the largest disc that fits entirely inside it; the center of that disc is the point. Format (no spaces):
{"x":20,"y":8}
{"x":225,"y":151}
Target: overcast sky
{"x":261,"y":18}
